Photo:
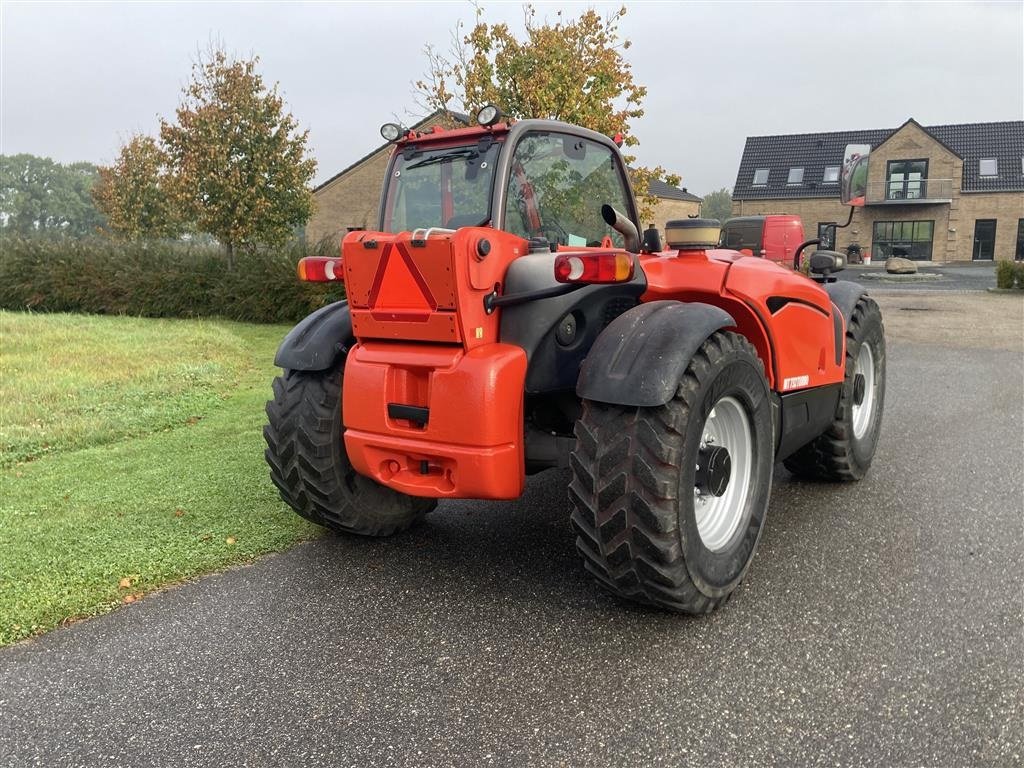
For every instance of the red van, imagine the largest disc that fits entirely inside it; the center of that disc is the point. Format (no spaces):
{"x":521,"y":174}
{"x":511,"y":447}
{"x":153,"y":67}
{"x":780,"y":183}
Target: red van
{"x":774,"y":236}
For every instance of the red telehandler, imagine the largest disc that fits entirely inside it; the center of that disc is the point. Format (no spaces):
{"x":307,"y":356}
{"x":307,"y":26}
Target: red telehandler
{"x":507,"y":317}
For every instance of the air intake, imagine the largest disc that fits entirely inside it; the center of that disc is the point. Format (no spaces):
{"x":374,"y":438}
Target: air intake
{"x":692,"y":234}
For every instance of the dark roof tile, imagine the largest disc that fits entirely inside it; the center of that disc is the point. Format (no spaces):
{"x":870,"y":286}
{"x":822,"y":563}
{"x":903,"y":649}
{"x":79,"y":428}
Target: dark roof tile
{"x":665,"y":191}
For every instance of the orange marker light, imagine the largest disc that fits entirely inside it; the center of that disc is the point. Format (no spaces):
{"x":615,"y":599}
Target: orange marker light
{"x":320,"y":269}
{"x":594,"y":267}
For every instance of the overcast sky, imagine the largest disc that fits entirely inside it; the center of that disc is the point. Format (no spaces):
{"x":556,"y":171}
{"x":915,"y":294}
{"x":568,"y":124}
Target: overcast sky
{"x":77,"y":78}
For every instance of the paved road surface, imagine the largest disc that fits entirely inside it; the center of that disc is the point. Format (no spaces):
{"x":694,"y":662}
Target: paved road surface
{"x":881,"y":624}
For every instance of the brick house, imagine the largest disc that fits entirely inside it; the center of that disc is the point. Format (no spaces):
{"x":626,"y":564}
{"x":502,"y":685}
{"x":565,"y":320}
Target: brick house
{"x":940,"y":193}
{"x":673,"y":203}
{"x":351,"y":198}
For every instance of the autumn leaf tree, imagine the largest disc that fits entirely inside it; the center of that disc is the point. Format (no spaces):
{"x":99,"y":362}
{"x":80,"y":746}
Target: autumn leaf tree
{"x":572,"y":70}
{"x":132,"y":192}
{"x":239,"y":168}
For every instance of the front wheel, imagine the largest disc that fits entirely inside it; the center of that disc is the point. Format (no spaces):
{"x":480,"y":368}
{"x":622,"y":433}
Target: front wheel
{"x":669,"y":502}
{"x":846,"y":449}
{"x":310,"y":468}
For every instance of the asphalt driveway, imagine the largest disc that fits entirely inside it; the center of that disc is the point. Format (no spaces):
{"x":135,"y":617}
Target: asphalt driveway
{"x":881,"y":624}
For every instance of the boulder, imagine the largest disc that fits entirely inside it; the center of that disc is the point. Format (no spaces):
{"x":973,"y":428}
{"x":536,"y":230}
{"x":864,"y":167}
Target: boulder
{"x":897,"y":265}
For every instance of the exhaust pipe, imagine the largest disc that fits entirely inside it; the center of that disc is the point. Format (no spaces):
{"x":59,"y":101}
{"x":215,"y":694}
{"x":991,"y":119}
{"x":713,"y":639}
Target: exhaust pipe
{"x":623,"y":226}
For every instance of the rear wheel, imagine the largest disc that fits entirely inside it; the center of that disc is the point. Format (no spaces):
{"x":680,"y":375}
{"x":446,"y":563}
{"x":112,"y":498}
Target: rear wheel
{"x":846,"y":449}
{"x":669,"y":502}
{"x":310,"y":468}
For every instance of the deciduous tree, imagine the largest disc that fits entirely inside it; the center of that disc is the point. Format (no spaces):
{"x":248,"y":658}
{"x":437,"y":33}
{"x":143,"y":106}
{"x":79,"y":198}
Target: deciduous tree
{"x":132,"y":193}
{"x":239,"y":166}
{"x":41,"y":196}
{"x":572,"y":70}
{"x":717,"y":204}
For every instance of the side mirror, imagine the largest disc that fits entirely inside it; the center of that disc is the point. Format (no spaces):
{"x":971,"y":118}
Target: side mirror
{"x":826,"y":262}
{"x":853,"y":184}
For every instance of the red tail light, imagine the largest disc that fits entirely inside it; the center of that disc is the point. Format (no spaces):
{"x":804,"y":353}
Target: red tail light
{"x":320,"y":269}
{"x":594,"y":267}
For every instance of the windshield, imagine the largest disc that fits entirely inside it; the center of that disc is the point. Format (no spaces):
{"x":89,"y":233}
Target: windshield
{"x":448,"y":187}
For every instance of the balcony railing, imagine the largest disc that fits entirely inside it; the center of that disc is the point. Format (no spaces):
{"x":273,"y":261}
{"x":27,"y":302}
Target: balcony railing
{"x":904,"y":192}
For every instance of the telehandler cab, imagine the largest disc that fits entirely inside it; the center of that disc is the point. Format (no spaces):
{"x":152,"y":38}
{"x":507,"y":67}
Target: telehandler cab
{"x":507,"y":317}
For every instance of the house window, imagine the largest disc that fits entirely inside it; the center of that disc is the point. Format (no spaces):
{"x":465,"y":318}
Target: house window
{"x":909,"y":239}
{"x":1019,"y":256}
{"x":831,"y":175}
{"x":796,"y":176}
{"x":905,"y":179}
{"x":761,"y":177}
{"x":988,"y":166}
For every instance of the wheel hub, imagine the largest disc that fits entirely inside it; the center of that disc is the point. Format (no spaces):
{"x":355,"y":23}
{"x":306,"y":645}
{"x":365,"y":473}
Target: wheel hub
{"x":714,"y":468}
{"x":864,"y":385}
{"x":724,"y":476}
{"x":858,"y":389}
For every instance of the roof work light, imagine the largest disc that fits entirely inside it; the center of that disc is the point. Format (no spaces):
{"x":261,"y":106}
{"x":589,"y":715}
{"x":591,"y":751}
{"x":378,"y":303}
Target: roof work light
{"x":488,"y":115}
{"x":391,"y":131}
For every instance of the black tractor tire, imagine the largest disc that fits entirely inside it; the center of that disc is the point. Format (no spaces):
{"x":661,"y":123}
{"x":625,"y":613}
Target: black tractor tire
{"x":843,"y":452}
{"x":310,"y":468}
{"x":634,"y":484}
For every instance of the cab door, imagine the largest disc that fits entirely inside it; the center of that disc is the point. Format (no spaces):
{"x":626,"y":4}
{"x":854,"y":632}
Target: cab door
{"x":555,"y":186}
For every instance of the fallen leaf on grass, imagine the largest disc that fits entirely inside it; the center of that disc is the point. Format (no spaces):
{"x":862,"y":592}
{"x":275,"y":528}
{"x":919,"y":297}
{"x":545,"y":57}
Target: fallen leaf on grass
{"x":128,"y":599}
{"x":179,"y":512}
{"x":230,"y":540}
{"x":124,"y":583}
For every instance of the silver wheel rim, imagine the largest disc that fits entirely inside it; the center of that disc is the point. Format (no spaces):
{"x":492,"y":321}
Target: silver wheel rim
{"x":862,"y":413}
{"x":718,"y":517}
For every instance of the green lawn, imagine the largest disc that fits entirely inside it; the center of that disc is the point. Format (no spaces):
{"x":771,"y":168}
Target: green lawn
{"x":131,"y":456}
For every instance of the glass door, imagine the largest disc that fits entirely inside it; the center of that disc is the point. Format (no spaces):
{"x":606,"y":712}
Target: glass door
{"x":984,"y":239}
{"x":909,"y":239}
{"x":906,"y":179}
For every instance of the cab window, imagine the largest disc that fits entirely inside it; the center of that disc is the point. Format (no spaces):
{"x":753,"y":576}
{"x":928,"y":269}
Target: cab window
{"x":557,"y":186}
{"x":448,"y":187}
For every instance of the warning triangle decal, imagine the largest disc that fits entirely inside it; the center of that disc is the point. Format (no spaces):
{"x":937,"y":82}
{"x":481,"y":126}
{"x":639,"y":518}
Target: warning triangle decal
{"x":398,"y":284}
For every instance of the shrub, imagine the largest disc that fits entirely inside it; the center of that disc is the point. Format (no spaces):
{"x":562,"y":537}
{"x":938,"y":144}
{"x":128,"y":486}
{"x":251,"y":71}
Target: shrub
{"x":1018,"y":267}
{"x":1005,"y":273}
{"x":157,"y":280}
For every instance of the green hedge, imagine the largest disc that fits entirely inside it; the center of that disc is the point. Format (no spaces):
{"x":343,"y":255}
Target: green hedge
{"x":1008,"y":273}
{"x":156,"y":280}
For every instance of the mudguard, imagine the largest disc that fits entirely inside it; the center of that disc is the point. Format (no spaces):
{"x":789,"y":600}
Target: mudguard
{"x":640,"y":357}
{"x":317,"y":341}
{"x":844,"y":294}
